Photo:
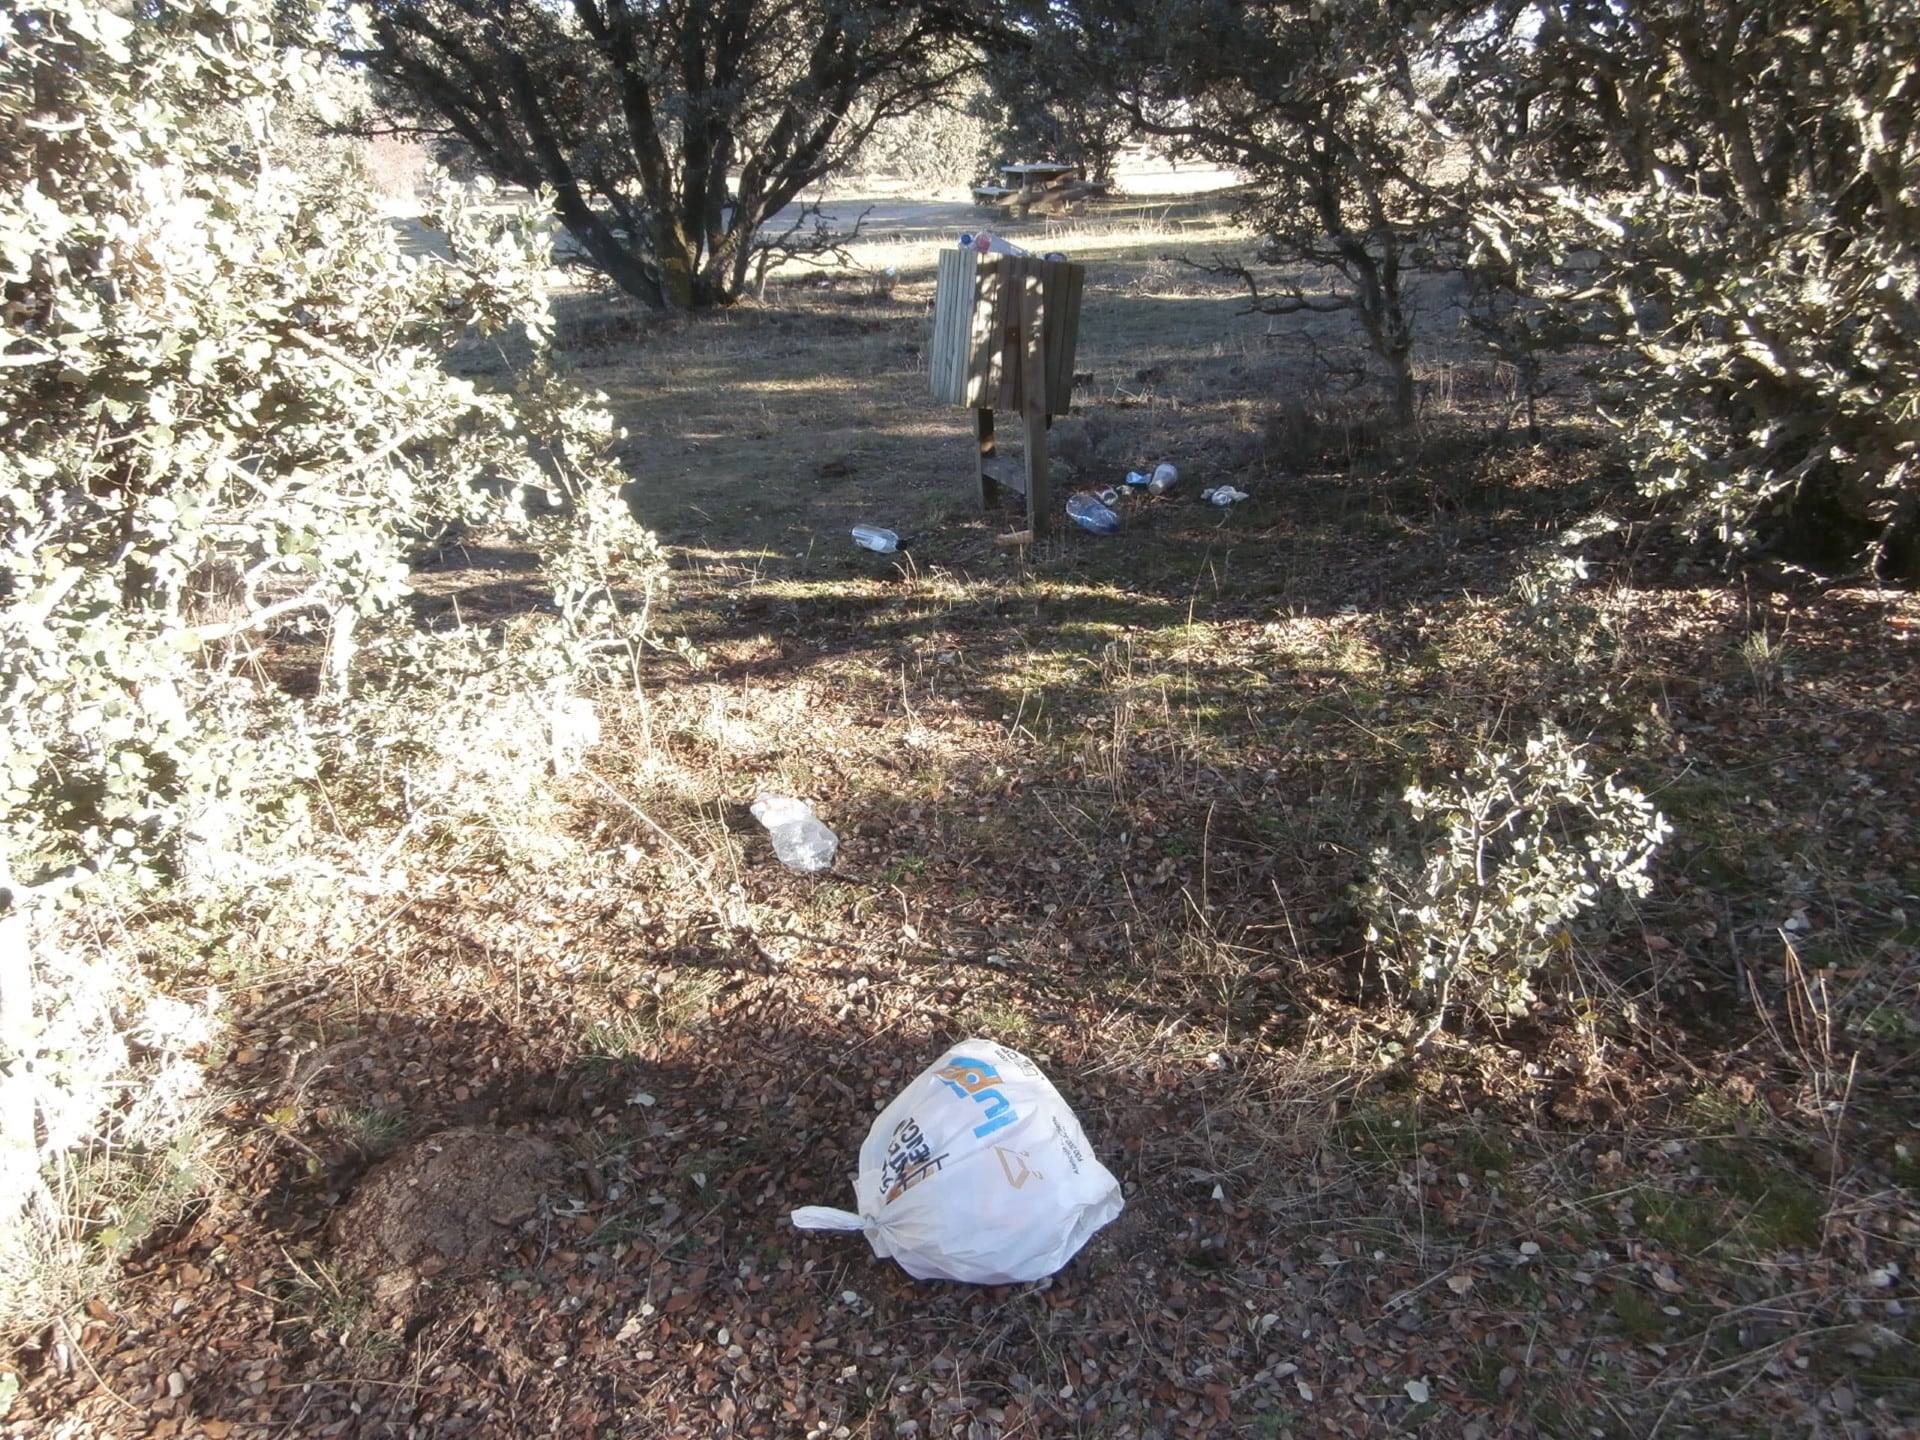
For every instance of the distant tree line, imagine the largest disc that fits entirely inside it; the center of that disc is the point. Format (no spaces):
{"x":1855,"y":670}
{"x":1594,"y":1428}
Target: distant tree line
{"x":670,"y":134}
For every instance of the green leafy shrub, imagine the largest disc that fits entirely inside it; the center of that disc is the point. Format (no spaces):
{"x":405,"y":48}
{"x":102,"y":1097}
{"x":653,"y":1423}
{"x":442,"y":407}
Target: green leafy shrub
{"x":1723,"y":196}
{"x":1508,"y":862}
{"x":229,"y":424}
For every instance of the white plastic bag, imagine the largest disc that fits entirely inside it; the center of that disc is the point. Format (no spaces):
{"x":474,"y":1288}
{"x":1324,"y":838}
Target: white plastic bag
{"x":977,"y":1172}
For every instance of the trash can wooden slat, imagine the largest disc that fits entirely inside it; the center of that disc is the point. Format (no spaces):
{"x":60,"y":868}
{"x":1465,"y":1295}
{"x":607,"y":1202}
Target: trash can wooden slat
{"x":1004,"y":332}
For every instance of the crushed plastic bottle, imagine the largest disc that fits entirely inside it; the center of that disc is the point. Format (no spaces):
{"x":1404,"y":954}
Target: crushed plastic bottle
{"x":1092,"y":514}
{"x":1223,"y":495}
{"x":987,"y":243}
{"x":872,"y":537}
{"x":800,"y":840}
{"x":1165,"y":477}
{"x":1137,"y":477}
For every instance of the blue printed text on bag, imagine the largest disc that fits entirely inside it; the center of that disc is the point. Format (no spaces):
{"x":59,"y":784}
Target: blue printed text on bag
{"x":977,"y":1079}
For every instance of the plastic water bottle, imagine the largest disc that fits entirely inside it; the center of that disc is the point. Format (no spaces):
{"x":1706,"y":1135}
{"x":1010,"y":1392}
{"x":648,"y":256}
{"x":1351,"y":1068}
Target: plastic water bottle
{"x":1135,"y":477}
{"x":1092,"y":514}
{"x":800,"y":841}
{"x":874,"y":538}
{"x":1164,"y":479}
{"x":986,"y":243}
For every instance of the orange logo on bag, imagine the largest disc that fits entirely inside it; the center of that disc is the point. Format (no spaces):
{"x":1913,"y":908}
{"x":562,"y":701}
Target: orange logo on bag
{"x":977,"y":1079}
{"x":1013,"y":1164}
{"x":969,"y":1076}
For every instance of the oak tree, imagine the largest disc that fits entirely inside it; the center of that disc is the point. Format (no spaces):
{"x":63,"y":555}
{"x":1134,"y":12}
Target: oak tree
{"x":670,"y":132}
{"x":1738,"y":185}
{"x":1316,"y":102}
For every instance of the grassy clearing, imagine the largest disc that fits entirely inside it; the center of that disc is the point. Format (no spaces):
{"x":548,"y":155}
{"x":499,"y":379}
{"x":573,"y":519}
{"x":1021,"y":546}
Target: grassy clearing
{"x":1110,"y":800}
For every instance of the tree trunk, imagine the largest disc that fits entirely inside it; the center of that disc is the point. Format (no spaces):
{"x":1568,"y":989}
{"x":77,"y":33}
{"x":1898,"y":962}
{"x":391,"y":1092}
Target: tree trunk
{"x":607,"y":250}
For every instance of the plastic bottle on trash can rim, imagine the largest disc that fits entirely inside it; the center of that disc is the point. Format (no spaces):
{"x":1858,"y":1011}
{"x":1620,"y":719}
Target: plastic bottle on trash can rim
{"x":987,"y":243}
{"x":800,"y":840}
{"x":872,"y":537}
{"x":1165,"y":477}
{"x":1092,"y":514}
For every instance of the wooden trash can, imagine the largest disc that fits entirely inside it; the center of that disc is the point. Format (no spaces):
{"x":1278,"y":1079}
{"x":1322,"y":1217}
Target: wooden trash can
{"x":1004,"y":330}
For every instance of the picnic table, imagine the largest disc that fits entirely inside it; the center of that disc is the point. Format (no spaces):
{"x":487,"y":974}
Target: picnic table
{"x":1037,"y":175}
{"x":1025,"y":180}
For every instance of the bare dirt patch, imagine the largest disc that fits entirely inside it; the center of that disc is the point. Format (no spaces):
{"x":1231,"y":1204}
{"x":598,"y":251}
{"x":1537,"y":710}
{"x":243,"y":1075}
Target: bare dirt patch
{"x":443,"y":1205}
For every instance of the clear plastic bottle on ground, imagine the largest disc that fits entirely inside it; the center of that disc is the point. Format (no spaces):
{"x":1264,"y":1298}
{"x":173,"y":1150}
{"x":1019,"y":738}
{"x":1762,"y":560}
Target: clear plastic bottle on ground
{"x":799,"y":838}
{"x":1090,"y":513}
{"x":874,"y":538}
{"x":1165,"y":477}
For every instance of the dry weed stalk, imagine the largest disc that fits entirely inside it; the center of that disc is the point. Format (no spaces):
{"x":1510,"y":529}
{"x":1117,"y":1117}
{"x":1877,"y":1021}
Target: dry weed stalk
{"x":1808,"y":1045}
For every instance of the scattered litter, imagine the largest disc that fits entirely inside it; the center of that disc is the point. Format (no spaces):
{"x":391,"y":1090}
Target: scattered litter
{"x":1092,"y":514}
{"x":978,"y":1172}
{"x":987,"y":243}
{"x":1163,"y":479}
{"x":872,"y":537}
{"x":1224,"y":495}
{"x":1017,"y":537}
{"x":1138,"y":477}
{"x":799,"y":839}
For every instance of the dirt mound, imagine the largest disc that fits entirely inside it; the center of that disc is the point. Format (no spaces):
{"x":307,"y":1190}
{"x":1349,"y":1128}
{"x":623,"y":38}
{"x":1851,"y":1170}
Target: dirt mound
{"x":443,"y":1205}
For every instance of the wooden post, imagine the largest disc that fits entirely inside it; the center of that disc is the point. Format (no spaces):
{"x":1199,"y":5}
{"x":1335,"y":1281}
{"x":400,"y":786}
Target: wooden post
{"x":983,"y":459}
{"x":1033,"y":402}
